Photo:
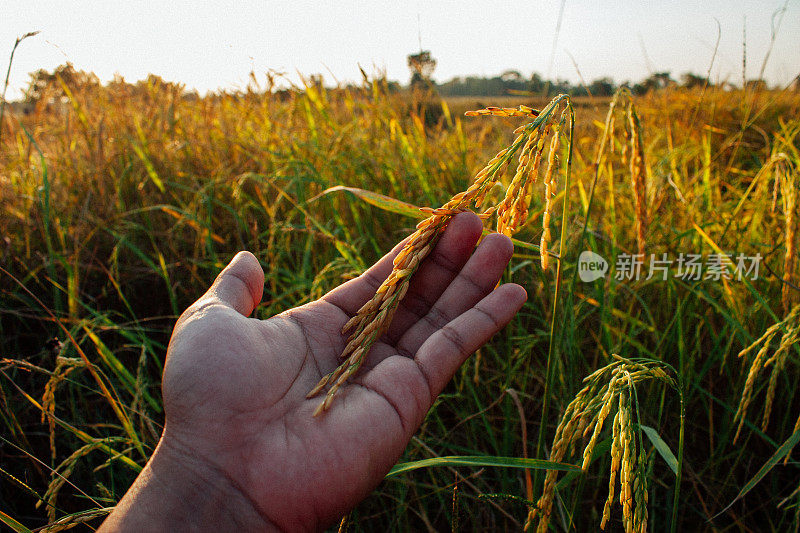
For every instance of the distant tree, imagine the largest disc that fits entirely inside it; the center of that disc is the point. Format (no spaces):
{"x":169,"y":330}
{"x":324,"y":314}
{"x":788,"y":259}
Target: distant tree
{"x":602,"y":87}
{"x":560,"y":87}
{"x":393,"y":86}
{"x":691,"y":80}
{"x":655,"y":82}
{"x":43,"y":83}
{"x":537,"y":83}
{"x":421,"y":66}
{"x":423,"y":88}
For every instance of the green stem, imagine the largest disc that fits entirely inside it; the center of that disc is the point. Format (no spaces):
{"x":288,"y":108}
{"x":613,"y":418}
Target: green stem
{"x":559,"y":269}
{"x":679,"y":475}
{"x":582,"y":241}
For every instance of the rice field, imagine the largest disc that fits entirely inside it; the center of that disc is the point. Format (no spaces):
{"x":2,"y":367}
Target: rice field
{"x":656,"y":237}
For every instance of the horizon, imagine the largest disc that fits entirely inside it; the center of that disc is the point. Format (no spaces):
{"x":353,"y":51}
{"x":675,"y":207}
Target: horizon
{"x":213,"y":49}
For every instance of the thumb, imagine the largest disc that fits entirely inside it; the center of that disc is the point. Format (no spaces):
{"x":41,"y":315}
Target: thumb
{"x":240,"y":285}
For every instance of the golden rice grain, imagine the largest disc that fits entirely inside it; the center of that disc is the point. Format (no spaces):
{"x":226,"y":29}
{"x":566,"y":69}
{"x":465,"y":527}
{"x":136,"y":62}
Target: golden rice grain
{"x":637,"y":177}
{"x":513,"y":209}
{"x":549,"y":192}
{"x":374,"y":317}
{"x":64,"y":366}
{"x":64,"y":470}
{"x":626,"y":467}
{"x":521,"y":111}
{"x":616,"y":459}
{"x":641,"y":498}
{"x":789,"y":328}
{"x":789,"y":184}
{"x":586,"y":414}
{"x":70,"y":521}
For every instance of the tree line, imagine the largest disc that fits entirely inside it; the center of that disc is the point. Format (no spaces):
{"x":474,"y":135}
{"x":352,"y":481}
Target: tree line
{"x":513,"y":82}
{"x":510,"y":82}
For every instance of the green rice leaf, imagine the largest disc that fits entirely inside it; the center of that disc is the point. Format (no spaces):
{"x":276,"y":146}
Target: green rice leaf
{"x":13,"y":524}
{"x":662,"y":448}
{"x":779,"y":454}
{"x":381,"y":201}
{"x":481,"y":460}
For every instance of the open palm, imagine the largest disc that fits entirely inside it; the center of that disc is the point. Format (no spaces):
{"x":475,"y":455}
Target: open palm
{"x":235,"y":387}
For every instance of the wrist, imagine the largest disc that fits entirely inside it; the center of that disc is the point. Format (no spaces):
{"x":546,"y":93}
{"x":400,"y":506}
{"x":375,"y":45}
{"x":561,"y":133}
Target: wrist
{"x":178,"y":491}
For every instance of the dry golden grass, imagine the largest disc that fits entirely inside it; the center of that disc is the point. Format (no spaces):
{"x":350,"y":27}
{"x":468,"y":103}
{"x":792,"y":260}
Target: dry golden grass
{"x":143,"y":190}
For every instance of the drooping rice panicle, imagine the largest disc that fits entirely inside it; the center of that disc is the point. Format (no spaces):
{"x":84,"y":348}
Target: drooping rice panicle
{"x":638,"y":177}
{"x":373,"y":318}
{"x":608,"y":389}
{"x":789,"y":329}
{"x":640,"y":494}
{"x":74,"y":519}
{"x":549,"y":192}
{"x":521,"y":111}
{"x":616,"y":459}
{"x":64,"y":366}
{"x":789,"y":184}
{"x":513,"y":209}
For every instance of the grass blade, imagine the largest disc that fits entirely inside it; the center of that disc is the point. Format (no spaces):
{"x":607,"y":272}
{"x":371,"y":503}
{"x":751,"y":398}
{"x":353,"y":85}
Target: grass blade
{"x":662,"y":448}
{"x":380,"y":201}
{"x":13,"y":524}
{"x":779,"y":454}
{"x":480,"y":460}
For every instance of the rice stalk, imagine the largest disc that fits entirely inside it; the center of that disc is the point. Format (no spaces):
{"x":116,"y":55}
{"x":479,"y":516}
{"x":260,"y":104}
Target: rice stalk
{"x":641,"y":494}
{"x":373,"y":318}
{"x":612,"y":388}
{"x":789,"y":329}
{"x":637,"y":169}
{"x":62,"y":472}
{"x":616,"y":459}
{"x":75,"y":519}
{"x":631,"y":154}
{"x":549,"y":193}
{"x":64,"y":366}
{"x":788,"y":184}
{"x":626,"y":465}
{"x":514,"y":206}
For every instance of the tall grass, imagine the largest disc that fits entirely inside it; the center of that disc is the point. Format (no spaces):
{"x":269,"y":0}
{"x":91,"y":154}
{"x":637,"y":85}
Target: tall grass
{"x":120,"y":203}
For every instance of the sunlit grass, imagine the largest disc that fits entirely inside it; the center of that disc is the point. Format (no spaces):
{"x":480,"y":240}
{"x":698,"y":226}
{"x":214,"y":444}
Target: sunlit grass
{"x":120,"y":204}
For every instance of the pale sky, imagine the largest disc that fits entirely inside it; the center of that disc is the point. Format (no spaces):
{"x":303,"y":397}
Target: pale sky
{"x":212,"y":45}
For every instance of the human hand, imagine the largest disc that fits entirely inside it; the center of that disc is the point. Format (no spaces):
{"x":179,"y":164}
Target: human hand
{"x":241,"y":449}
